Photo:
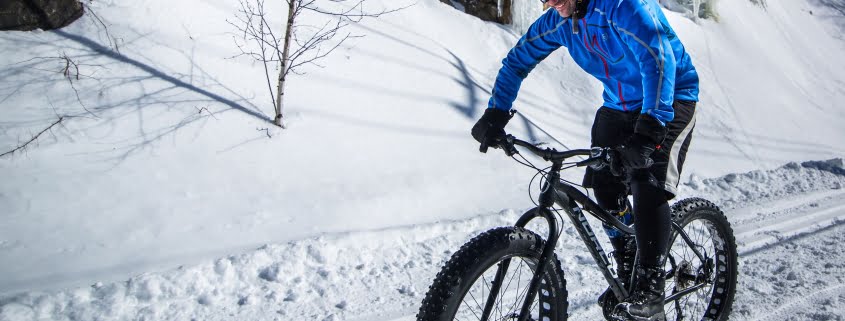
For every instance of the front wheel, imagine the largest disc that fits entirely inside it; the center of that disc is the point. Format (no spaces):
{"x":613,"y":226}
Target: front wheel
{"x":701,"y":264}
{"x":461,"y":289}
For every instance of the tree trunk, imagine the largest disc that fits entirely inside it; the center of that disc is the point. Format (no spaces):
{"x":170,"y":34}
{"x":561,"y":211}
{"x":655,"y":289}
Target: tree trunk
{"x":280,"y":89}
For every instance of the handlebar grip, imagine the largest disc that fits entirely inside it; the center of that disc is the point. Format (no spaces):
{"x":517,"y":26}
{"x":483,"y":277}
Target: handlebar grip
{"x":599,"y":156}
{"x":589,"y":162}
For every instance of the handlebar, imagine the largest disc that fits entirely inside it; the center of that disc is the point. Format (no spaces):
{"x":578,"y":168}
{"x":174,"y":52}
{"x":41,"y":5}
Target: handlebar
{"x":596,"y":155}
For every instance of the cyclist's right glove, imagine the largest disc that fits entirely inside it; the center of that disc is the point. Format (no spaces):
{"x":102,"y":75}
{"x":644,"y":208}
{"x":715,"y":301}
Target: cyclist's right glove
{"x":637,"y":150}
{"x":490,"y":128}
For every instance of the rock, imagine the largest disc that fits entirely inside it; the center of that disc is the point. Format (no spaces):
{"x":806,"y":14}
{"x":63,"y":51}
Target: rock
{"x":487,"y":10}
{"x":28,"y":15}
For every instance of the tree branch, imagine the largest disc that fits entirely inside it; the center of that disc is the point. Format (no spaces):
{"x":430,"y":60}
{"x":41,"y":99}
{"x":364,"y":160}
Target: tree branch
{"x":359,"y":7}
{"x":297,"y":45}
{"x":22,"y":146}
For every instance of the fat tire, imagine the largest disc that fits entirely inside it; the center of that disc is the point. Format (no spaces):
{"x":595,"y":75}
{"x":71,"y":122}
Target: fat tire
{"x":451,"y":284}
{"x":724,"y":287}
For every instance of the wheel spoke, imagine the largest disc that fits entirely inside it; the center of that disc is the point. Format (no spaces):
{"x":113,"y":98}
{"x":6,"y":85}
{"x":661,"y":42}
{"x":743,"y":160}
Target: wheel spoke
{"x":476,"y":303}
{"x":688,"y":257}
{"x":519,"y":295}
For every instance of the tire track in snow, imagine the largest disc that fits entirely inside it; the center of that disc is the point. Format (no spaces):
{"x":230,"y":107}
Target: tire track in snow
{"x":804,"y":216}
{"x":804,"y":301}
{"x":798,"y":278}
{"x":762,"y":232}
{"x":750,"y":213}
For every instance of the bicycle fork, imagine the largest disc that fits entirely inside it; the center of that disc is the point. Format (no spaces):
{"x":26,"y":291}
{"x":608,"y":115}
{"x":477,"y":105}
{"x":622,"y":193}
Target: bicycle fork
{"x":548,"y":196}
{"x":534,"y":286}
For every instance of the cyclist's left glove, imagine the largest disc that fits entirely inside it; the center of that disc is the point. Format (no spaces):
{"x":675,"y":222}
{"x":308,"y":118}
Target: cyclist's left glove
{"x":635,"y":153}
{"x":490,"y":128}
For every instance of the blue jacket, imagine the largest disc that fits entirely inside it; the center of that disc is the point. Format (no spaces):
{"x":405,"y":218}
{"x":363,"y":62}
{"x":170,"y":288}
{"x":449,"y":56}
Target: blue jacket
{"x":627,"y":44}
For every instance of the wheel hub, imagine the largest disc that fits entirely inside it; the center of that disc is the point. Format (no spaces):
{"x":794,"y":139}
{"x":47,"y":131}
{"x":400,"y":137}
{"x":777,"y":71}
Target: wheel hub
{"x":684,"y":277}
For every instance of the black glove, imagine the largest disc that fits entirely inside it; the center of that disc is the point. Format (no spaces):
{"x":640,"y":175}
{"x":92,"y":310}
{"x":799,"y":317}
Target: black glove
{"x":635,"y":153}
{"x":490,"y":128}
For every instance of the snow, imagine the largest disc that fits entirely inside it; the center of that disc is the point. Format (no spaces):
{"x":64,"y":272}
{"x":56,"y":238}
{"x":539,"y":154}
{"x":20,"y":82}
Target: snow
{"x":383,"y":274}
{"x":348,"y":213}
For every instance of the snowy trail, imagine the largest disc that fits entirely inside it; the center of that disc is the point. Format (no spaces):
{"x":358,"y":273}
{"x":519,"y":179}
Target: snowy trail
{"x":799,"y":278}
{"x":805,"y":303}
{"x":788,"y":222}
{"x":789,"y":234}
{"x":761,"y":225}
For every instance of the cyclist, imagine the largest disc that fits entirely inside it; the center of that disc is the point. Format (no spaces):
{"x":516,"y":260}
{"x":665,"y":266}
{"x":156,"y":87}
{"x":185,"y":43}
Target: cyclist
{"x":650,"y":95}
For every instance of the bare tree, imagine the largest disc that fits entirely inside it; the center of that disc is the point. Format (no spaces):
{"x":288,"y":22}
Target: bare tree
{"x":301,"y":44}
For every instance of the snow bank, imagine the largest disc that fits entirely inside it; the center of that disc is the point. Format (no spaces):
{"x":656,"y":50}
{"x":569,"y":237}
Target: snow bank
{"x":382,"y":274}
{"x":735,"y":190}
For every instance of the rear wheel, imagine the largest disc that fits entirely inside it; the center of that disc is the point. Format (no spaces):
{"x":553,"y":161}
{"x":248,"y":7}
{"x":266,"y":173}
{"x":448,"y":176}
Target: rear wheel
{"x":461,"y":289}
{"x":704,"y":265}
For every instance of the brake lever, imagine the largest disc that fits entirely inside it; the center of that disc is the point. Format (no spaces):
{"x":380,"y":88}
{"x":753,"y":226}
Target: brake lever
{"x":599,"y":158}
{"x":507,"y":145}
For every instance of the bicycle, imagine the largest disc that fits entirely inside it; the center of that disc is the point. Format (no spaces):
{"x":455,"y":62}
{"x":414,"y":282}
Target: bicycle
{"x":701,"y":263}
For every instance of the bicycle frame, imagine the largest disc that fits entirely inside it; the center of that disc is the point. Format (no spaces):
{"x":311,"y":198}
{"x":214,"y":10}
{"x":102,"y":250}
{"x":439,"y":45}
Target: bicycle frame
{"x":573,"y":202}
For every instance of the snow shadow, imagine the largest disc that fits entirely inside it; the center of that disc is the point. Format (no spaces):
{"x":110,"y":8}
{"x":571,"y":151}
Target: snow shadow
{"x":833,"y":11}
{"x":113,"y":89}
{"x":833,"y":165}
{"x":473,"y":105}
{"x":467,"y":77}
{"x":178,"y":83}
{"x":724,"y":141}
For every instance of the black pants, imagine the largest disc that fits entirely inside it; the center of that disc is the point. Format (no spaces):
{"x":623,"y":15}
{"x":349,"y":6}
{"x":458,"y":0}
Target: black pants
{"x":652,"y":187}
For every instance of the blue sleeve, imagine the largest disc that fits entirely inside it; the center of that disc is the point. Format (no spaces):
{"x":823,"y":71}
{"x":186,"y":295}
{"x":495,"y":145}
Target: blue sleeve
{"x":641,"y":28}
{"x":541,"y":39}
